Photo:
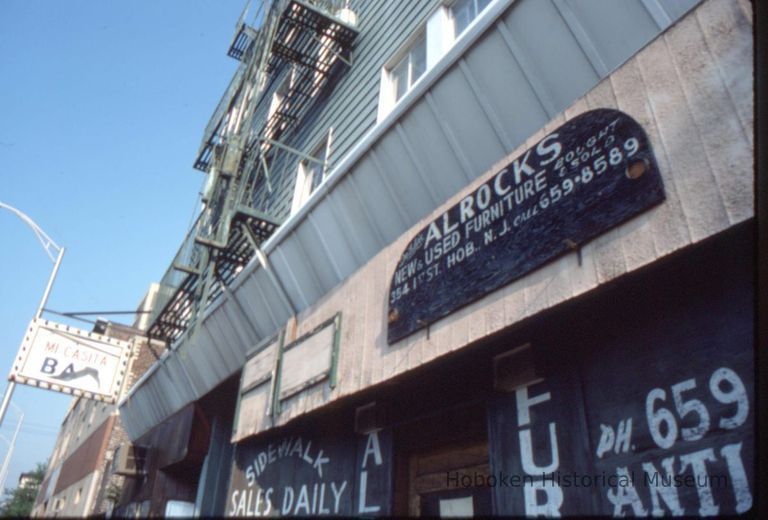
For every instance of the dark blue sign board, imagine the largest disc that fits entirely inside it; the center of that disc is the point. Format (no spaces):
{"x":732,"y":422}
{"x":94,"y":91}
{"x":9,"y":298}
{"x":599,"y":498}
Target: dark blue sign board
{"x":588,"y":176}
{"x":305,"y":474}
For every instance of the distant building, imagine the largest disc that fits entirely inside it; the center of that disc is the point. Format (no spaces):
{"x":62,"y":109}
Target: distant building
{"x":27,"y":480}
{"x":463,"y":257}
{"x":79,"y":480}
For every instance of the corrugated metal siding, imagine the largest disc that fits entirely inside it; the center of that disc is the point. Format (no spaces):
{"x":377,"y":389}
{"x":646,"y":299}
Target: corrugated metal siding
{"x":524,"y":62}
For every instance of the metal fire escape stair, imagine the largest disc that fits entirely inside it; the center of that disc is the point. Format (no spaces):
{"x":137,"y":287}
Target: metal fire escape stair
{"x":239,"y":145}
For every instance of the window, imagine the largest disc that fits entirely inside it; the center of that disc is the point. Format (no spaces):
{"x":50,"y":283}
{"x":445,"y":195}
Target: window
{"x":431,"y":43}
{"x":410,"y":68}
{"x":464,"y":11}
{"x":279,"y":108}
{"x":311,"y":173}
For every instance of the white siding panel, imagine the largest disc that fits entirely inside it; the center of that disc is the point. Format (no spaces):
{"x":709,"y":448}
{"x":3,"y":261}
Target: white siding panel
{"x":509,"y":94}
{"x":413,"y":198}
{"x":615,"y":28}
{"x":317,"y":256}
{"x":433,"y":151}
{"x":476,"y":138}
{"x":290,"y":280}
{"x":551,"y":50}
{"x":379,"y":198}
{"x":335,"y":239}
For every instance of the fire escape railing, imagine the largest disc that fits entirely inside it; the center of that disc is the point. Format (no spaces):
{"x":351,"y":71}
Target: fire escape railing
{"x":302,"y":41}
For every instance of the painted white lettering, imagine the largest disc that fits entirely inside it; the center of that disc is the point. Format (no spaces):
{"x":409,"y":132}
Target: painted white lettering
{"x":553,"y":149}
{"x":362,"y":508}
{"x":607,"y":438}
{"x":319,"y":461}
{"x":372,"y":447}
{"x":302,"y":502}
{"x":241,"y":506}
{"x":465,"y":209}
{"x":550,"y":507}
{"x":233,"y":499}
{"x":483,"y":196}
{"x":306,"y":456}
{"x":524,"y":404}
{"x":296,"y":447}
{"x":526,"y":452}
{"x":261,"y":459}
{"x":447,"y":226}
{"x":623,"y":436}
{"x":321,"y":506}
{"x":732,"y":455}
{"x":268,"y":501}
{"x":284,"y":448}
{"x":287,"y":500}
{"x":314,"y":498}
{"x":661,"y":486}
{"x":337,"y":495}
{"x":249,"y":494}
{"x":697,"y":462}
{"x":433,"y":233}
{"x":625,"y":494}
{"x":522,"y":167}
{"x":497,"y":187}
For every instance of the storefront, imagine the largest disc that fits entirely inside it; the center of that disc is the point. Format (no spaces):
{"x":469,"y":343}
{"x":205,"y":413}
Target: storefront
{"x":635,"y":399}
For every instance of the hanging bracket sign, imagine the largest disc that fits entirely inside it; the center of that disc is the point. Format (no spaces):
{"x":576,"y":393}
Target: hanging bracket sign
{"x":588,"y":176}
{"x":65,"y":359}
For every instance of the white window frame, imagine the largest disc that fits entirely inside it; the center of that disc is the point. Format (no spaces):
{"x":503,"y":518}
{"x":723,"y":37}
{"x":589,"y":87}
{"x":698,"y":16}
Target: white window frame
{"x":280,"y":93}
{"x":440,"y":35}
{"x":304,"y":175}
{"x":477,"y":13}
{"x":388,"y":97}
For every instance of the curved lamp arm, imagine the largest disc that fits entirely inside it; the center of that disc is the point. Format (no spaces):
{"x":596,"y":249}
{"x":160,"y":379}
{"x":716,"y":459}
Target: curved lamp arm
{"x":47,"y":242}
{"x":50,"y":247}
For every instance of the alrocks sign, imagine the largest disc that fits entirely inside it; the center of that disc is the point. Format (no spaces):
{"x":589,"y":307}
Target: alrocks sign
{"x":591,"y":174}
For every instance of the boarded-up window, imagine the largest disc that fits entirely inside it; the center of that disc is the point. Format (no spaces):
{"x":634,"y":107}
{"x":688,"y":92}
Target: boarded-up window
{"x":256,"y":387}
{"x":310,"y":359}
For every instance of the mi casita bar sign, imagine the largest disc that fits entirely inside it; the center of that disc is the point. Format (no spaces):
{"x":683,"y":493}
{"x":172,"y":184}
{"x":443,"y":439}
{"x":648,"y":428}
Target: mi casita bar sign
{"x":65,"y":359}
{"x":588,"y":176}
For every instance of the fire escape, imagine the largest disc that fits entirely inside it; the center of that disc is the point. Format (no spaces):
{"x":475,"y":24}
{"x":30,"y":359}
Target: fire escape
{"x":298,"y":43}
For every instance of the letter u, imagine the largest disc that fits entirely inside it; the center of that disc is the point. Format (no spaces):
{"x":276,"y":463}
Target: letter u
{"x":526,"y":452}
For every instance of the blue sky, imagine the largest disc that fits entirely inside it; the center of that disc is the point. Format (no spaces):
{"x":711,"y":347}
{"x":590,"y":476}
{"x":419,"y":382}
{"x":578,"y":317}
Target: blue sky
{"x":102,"y":108}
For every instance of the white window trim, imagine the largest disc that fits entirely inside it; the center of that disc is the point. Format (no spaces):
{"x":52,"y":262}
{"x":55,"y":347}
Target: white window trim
{"x":387,"y":99}
{"x":439,"y":33}
{"x":303,"y":190}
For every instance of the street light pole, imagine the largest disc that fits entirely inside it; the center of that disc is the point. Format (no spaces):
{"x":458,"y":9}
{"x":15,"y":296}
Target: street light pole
{"x":11,"y":446}
{"x":48,"y":244}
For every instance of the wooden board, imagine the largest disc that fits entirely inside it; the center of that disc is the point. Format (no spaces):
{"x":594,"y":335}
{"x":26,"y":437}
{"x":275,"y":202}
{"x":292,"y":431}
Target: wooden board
{"x":306,"y":473}
{"x":591,"y":174}
{"x":258,"y":368}
{"x":307,"y":361}
{"x":646,"y":406}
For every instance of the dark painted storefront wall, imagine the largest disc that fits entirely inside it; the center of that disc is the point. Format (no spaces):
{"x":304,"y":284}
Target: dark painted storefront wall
{"x":318,"y":470}
{"x":176,"y":449}
{"x":642,"y":403}
{"x":647,"y":403}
